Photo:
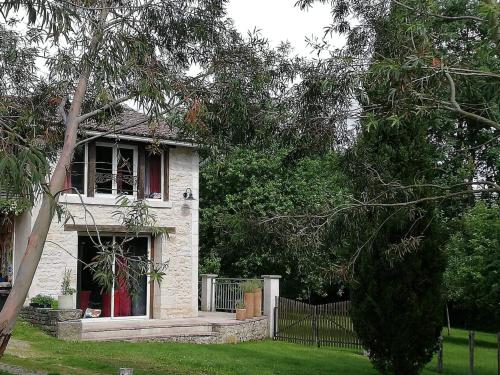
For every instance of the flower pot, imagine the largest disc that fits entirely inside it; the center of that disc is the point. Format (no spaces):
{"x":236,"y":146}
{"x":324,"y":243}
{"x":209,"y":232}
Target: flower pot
{"x":248,"y":299}
{"x":241,"y":314}
{"x":66,"y":302}
{"x":257,"y":302}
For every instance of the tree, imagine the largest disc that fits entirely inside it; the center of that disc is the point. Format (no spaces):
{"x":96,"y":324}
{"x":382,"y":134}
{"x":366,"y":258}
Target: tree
{"x":98,"y":54}
{"x":396,"y":307}
{"x":472,"y":273}
{"x":426,"y":102}
{"x":242,"y":189}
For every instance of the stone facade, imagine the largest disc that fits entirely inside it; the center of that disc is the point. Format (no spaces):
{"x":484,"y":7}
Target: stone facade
{"x":48,"y":319}
{"x":178,"y":294}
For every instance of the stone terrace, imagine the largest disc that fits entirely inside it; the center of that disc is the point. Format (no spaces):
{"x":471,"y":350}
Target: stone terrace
{"x":207,"y":328}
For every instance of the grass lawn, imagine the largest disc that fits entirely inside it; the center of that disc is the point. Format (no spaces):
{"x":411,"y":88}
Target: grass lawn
{"x":34,"y":349}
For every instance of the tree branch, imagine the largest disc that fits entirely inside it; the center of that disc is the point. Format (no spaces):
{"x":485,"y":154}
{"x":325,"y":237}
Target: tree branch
{"x":449,"y":18}
{"x":61,"y":111}
{"x":86,"y":116}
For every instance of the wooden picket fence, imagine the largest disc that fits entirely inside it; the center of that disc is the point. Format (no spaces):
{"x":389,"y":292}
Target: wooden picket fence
{"x":321,"y":325}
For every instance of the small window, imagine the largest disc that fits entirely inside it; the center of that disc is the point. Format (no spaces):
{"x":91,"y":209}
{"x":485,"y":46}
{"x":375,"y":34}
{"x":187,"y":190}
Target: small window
{"x":104,"y":169}
{"x":125,"y":180}
{"x":75,"y":175}
{"x":152,"y":183}
{"x":115,"y":169}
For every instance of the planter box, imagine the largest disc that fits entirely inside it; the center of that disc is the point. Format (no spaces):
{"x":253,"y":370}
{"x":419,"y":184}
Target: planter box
{"x":66,"y":302}
{"x":241,"y":314}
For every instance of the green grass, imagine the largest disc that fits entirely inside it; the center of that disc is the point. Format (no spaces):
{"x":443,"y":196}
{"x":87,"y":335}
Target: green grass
{"x":35,"y":350}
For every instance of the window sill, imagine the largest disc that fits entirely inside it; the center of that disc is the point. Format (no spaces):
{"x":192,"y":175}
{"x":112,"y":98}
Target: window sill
{"x":109,"y":201}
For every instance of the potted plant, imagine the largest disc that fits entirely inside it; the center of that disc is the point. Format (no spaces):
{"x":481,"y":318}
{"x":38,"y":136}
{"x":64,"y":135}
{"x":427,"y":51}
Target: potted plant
{"x":66,"y":300}
{"x":247,"y":288}
{"x":257,"y":301}
{"x":42,"y":301}
{"x":240,"y":311}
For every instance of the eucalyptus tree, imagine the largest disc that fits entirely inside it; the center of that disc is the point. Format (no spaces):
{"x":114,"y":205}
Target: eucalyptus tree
{"x":72,"y":61}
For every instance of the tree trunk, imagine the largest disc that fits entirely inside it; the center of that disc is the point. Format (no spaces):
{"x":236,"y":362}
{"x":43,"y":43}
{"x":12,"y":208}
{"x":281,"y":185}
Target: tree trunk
{"x":38,"y":235}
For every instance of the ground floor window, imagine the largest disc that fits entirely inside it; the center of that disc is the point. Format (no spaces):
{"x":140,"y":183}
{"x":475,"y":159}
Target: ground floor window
{"x":117,"y":301}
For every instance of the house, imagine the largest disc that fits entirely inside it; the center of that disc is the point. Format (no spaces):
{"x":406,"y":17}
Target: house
{"x":110,"y":165}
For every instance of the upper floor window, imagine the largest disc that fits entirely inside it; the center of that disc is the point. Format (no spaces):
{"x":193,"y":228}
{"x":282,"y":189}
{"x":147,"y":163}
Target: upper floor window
{"x":103,"y":168}
{"x":75,"y":173}
{"x":115,"y":169}
{"x":153,"y":176}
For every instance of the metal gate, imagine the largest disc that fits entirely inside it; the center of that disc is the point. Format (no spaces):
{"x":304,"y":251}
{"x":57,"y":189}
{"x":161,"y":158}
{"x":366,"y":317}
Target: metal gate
{"x":322,"y":325}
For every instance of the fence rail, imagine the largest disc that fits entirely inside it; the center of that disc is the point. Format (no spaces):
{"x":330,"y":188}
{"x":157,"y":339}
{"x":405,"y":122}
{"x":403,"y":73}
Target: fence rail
{"x":322,"y":325}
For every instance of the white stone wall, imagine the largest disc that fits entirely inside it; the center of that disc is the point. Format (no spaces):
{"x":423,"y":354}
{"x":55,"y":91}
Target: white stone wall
{"x":177,"y":295}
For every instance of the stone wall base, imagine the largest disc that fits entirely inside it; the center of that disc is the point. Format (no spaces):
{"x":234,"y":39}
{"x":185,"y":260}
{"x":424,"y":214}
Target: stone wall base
{"x":48,"y":319}
{"x":67,"y":325}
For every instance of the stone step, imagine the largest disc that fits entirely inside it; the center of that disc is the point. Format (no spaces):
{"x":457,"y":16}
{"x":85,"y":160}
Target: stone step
{"x":118,"y":330}
{"x":99,"y":325}
{"x":198,"y":337}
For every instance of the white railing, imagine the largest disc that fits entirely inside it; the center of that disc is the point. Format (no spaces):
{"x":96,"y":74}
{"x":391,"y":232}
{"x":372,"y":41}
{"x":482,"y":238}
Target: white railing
{"x":222,"y":294}
{"x":228,"y":292}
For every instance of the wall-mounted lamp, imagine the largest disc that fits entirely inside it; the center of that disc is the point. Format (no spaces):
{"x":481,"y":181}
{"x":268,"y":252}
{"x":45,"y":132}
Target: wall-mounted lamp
{"x":188,"y":195}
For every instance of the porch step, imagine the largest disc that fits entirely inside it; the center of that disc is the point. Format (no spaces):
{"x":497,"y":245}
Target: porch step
{"x":198,"y":337}
{"x":147,"y":329}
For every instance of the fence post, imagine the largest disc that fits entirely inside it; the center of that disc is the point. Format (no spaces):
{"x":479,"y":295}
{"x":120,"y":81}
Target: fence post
{"x":316,"y":326}
{"x":440,"y":355}
{"x":208,"y":292}
{"x":471,"y":352}
{"x":498,"y":353}
{"x":271,"y":292}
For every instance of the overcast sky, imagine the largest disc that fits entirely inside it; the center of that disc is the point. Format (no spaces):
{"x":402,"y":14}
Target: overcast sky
{"x":279,"y":21}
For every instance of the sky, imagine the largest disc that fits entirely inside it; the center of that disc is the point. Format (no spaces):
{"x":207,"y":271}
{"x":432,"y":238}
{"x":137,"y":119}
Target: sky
{"x":279,"y":21}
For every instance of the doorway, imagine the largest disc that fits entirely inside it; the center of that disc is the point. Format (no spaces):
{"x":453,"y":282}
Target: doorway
{"x":116,"y":302}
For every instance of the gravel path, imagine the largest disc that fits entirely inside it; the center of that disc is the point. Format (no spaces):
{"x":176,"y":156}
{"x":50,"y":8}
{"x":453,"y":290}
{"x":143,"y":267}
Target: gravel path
{"x":17,"y":370}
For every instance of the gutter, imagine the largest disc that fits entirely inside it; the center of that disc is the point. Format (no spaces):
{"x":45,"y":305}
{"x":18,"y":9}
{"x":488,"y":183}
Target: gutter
{"x":139,"y":138}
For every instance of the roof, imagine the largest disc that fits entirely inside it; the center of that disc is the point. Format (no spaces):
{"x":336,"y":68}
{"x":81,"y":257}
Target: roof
{"x":146,"y":128}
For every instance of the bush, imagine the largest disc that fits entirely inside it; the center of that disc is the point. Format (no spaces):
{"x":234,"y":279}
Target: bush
{"x":43,"y":300}
{"x":397,"y":308}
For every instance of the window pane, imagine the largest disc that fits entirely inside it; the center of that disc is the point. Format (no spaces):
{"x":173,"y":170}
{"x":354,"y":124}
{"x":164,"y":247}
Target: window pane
{"x":78,"y":170}
{"x":104,"y":169}
{"x":125,"y":171}
{"x":133,"y":304}
{"x":152,"y":188}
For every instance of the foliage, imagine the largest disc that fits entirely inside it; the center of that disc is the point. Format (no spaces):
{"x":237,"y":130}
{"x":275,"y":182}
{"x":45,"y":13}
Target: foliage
{"x":239,"y":305}
{"x":248,"y":97}
{"x":473,"y":271}
{"x":247,"y":286}
{"x":66,"y":288}
{"x":396,"y":308}
{"x":243,"y":191}
{"x":13,"y":206}
{"x":43,"y":300}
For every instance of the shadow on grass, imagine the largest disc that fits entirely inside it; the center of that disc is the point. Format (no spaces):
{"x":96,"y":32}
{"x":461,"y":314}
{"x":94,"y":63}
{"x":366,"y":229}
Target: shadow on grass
{"x":464,"y":341}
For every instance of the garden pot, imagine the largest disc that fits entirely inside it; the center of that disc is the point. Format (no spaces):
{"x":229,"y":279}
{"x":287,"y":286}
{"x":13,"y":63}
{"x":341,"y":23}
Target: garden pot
{"x":257,"y":302}
{"x":241,"y":314}
{"x":248,"y":299}
{"x":66,"y":302}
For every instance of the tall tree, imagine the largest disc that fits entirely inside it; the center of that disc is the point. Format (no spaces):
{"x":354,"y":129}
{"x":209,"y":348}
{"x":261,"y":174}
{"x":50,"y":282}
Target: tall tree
{"x":97,"y":54}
